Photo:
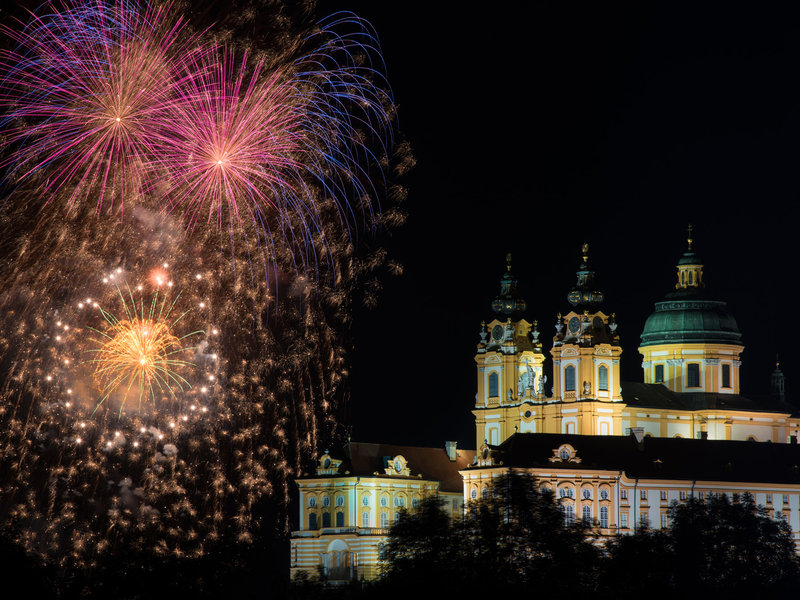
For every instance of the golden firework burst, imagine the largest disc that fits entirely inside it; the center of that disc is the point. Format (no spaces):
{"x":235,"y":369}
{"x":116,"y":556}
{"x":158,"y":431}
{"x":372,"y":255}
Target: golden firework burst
{"x":140,"y":354}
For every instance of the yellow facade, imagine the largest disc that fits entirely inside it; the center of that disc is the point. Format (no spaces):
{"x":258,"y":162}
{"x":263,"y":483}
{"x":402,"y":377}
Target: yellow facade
{"x":690,"y":390}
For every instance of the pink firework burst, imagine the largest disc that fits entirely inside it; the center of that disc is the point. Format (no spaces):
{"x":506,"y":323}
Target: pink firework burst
{"x":82,"y":93}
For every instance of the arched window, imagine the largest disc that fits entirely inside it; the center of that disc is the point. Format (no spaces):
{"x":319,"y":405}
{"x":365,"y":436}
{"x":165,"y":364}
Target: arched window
{"x":659,"y":373}
{"x":326,"y":501}
{"x":326,"y":519}
{"x":384,"y":520}
{"x":604,"y":428}
{"x":312,"y":502}
{"x":384,"y":501}
{"x":604,"y":517}
{"x":587,"y":515}
{"x":494,"y":385}
{"x":339,"y":500}
{"x":569,"y":514}
{"x":603,"y":494}
{"x":569,"y":379}
{"x":340,"y":519}
{"x":365,"y":500}
{"x":485,"y":492}
{"x":602,"y":378}
{"x":473,"y":493}
{"x":365,"y":519}
{"x":312,"y":521}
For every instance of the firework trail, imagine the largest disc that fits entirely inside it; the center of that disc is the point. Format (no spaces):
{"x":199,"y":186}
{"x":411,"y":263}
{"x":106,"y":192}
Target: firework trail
{"x":100,"y":452}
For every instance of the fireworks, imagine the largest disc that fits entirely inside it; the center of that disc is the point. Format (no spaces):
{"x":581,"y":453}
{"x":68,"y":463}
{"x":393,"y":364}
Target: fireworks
{"x":134,"y":416}
{"x":107,"y":103}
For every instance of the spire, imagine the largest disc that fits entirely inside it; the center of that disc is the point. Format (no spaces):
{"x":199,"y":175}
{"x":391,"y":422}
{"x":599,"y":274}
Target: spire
{"x":582,"y":293}
{"x":690,"y":267}
{"x":778,"y":380}
{"x":508,"y":303}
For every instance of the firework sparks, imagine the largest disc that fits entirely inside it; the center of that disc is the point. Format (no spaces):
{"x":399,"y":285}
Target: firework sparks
{"x":84,"y":91}
{"x":140,"y":352}
{"x":105,"y":103}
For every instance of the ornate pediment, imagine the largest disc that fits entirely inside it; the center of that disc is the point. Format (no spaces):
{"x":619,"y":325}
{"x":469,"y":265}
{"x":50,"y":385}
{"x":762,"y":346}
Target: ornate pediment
{"x":569,"y":352}
{"x":397,"y":465}
{"x":565,"y":453}
{"x":328,"y":465}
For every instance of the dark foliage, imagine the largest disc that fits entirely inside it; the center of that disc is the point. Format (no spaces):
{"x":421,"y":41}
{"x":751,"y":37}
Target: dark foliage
{"x":719,"y":545}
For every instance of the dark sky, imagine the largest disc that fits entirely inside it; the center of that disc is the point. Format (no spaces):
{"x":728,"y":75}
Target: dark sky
{"x":539,"y":126}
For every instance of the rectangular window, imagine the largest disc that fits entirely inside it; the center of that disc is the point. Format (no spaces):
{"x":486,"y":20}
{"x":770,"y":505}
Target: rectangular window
{"x":726,"y":376}
{"x":683,"y":495}
{"x":643,"y":494}
{"x":644,"y":521}
{"x":569,"y":379}
{"x":659,"y":373}
{"x":664,"y":521}
{"x":623,"y":494}
{"x":786,"y":498}
{"x":664,"y":495}
{"x":623,"y":520}
{"x":693,"y":375}
{"x":769,"y":498}
{"x":701,"y":496}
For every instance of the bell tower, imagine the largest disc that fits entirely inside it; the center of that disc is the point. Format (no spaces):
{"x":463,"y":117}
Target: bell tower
{"x":586,"y":353}
{"x":509,"y":367}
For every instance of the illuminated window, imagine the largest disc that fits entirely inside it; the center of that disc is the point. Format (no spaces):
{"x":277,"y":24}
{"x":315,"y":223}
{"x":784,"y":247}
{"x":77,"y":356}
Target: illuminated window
{"x":659,"y":373}
{"x":602,"y":378}
{"x":569,"y":378}
{"x":494,"y":385}
{"x":693,"y":375}
{"x":726,"y":376}
{"x":604,"y":517}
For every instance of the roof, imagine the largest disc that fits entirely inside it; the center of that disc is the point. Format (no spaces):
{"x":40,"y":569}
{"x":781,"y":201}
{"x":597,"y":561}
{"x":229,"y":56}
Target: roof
{"x":659,"y":458}
{"x":365,"y":459}
{"x":658,"y":396}
{"x":688,"y":317}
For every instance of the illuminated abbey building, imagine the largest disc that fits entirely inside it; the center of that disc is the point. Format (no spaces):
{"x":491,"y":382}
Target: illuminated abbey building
{"x":615,"y":454}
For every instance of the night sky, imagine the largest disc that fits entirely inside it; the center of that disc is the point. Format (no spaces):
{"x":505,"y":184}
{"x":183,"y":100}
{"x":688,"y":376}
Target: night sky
{"x":537,"y":128}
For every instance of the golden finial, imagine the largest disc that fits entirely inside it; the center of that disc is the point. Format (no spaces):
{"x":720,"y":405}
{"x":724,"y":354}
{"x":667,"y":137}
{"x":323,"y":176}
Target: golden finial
{"x":585,"y":250}
{"x":689,"y":239}
{"x":508,"y":262}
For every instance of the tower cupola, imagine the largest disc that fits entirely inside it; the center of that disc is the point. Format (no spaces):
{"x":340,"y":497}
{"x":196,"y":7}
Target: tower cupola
{"x":583,"y":293}
{"x":508,"y":303}
{"x":690,"y":268}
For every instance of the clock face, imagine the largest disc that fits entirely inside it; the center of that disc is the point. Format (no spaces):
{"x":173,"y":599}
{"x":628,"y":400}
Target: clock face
{"x":497,"y":332}
{"x":574,"y":324}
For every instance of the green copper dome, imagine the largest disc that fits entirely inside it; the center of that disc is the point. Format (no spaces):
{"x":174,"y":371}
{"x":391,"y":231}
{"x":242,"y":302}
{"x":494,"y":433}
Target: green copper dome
{"x":687,"y":315}
{"x":690,"y":319}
